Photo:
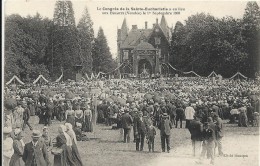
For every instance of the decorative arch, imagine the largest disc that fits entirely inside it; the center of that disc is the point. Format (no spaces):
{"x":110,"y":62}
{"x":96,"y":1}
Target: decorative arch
{"x":146,"y":65}
{"x":127,"y":69}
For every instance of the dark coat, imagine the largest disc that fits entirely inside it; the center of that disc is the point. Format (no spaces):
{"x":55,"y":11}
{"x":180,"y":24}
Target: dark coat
{"x":39,"y":151}
{"x":127,"y":121}
{"x":16,"y":159}
{"x":165,"y":126}
{"x":140,"y":126}
{"x":180,"y":112}
{"x":196,"y":128}
{"x":151,"y":132}
{"x":219,"y":127}
{"x":65,"y":159}
{"x":208,"y":135}
{"x":157,"y":112}
{"x":26,"y":114}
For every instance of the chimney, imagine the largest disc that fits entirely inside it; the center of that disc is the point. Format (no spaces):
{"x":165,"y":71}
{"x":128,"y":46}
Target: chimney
{"x":134,"y":26}
{"x":153,"y":25}
{"x":145,"y":24}
{"x":156,"y":20}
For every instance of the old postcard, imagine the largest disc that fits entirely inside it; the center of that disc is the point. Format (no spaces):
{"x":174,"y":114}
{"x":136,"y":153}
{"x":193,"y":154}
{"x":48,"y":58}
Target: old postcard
{"x":130,"y":83}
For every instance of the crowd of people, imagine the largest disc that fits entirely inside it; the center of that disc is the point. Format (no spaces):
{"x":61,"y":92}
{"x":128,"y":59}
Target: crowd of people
{"x":141,"y":105}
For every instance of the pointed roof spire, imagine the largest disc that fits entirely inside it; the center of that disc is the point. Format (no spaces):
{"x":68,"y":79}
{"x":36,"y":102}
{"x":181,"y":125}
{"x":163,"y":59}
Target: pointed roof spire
{"x":124,"y":30}
{"x":124,"y":23}
{"x":164,"y":26}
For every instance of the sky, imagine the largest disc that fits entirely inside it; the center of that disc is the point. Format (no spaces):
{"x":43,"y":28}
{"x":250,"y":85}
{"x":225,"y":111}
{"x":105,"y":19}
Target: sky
{"x":110,"y":22}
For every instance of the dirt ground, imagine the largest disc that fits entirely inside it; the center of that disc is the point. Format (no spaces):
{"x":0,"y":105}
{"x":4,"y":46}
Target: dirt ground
{"x":105,"y":147}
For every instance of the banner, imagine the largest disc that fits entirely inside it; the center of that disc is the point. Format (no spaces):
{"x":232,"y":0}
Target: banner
{"x":58,"y":80}
{"x":212,"y":74}
{"x":238,"y":74}
{"x":39,"y":77}
{"x":15,"y":78}
{"x":192,"y":73}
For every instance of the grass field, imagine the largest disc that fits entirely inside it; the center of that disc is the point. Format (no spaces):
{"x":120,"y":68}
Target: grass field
{"x":106,"y":147}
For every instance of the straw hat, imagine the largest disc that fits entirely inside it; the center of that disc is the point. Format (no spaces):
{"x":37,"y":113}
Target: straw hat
{"x":78,"y":124}
{"x":7,"y":130}
{"x":36,"y":134}
{"x":165,"y":115}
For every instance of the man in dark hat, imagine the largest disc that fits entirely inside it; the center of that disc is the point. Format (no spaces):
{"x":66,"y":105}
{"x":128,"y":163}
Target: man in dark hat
{"x":61,"y":108}
{"x":156,"y":114}
{"x":127,"y":121}
{"x":208,"y":145}
{"x":165,"y":127}
{"x":140,"y":131}
{"x":179,"y":115}
{"x":135,"y":116}
{"x":219,"y":133}
{"x":35,"y":152}
{"x":26,"y":117}
{"x":196,"y":128}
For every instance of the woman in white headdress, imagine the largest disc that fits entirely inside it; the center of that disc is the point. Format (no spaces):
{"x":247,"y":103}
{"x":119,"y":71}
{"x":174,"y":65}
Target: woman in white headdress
{"x":18,"y":116}
{"x":75,"y":153}
{"x":18,"y":145}
{"x":63,"y":142}
{"x":8,"y":149}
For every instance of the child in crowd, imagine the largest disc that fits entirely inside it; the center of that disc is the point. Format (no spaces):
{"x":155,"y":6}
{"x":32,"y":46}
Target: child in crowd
{"x":151,"y":132}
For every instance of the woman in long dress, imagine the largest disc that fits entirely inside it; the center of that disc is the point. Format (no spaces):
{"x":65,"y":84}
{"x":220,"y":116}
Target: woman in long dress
{"x":18,"y":145}
{"x":64,"y":142}
{"x":46,"y":137}
{"x":88,"y":120}
{"x":18,"y":116}
{"x":70,"y":115}
{"x":75,"y":153}
{"x":78,"y":114}
{"x":7,"y":144}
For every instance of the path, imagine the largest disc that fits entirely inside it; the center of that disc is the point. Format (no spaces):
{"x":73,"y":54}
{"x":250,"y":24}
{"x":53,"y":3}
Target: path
{"x":233,"y":146}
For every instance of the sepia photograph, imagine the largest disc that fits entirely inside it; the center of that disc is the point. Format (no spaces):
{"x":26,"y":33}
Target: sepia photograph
{"x":130,"y":83}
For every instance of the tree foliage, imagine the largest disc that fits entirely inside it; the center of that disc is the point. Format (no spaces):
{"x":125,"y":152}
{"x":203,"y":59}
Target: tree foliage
{"x":86,"y":38}
{"x":65,"y":47}
{"x":24,"y":49}
{"x":102,"y":57}
{"x":225,"y":45}
{"x":251,"y":33}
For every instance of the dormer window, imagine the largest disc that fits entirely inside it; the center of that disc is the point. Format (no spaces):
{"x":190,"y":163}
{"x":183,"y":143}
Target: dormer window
{"x":159,"y":53}
{"x":125,"y":57}
{"x":157,"y":40}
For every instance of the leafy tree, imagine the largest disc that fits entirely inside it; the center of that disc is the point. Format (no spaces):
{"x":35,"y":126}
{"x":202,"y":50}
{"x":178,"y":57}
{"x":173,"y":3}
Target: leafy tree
{"x":21,"y":50}
{"x":65,"y":46}
{"x":251,"y":32}
{"x":206,"y":43}
{"x":102,"y":57}
{"x":64,"y":13}
{"x":177,"y":43}
{"x":86,"y":38}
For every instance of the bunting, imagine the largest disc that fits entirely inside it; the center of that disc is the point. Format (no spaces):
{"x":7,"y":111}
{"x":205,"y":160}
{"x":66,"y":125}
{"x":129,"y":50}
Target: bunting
{"x":15,"y":78}
{"x":39,"y":77}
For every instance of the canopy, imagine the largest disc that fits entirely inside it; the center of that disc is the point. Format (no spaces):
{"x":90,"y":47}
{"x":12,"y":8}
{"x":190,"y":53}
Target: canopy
{"x":238,"y":74}
{"x":92,"y":76}
{"x":14,"y":78}
{"x":58,"y":80}
{"x":191,"y":72}
{"x":39,"y":77}
{"x":212,"y":74}
{"x":171,"y":66}
{"x":87,"y":76}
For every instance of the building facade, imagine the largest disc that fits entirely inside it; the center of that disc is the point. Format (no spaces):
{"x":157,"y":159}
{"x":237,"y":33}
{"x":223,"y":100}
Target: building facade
{"x":144,"y":51}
